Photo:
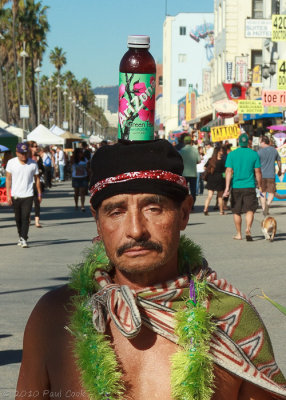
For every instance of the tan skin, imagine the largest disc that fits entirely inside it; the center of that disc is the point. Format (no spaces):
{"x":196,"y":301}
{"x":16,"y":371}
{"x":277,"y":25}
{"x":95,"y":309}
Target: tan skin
{"x":23,"y":158}
{"x":48,"y":364}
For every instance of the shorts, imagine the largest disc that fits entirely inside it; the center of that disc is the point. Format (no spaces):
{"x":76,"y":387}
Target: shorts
{"x":80,"y":182}
{"x":268,"y":185}
{"x":243,"y":200}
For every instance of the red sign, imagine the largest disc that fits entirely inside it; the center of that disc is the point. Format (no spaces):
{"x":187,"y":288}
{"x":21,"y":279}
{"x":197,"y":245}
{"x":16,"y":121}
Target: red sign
{"x":235,"y":91}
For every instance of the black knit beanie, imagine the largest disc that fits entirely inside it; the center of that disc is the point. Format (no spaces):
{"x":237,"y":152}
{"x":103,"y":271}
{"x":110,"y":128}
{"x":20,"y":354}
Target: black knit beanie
{"x":130,"y":167}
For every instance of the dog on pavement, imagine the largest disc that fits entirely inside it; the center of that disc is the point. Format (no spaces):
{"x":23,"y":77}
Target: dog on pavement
{"x":269,"y":228}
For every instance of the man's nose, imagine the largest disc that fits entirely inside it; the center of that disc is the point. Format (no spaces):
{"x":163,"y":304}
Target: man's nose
{"x":136,"y":225}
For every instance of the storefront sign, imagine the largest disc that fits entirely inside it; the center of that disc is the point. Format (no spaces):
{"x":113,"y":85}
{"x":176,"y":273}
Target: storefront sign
{"x":278,"y":28}
{"x":220,"y":133}
{"x":241,"y":66}
{"x":274,"y":98}
{"x":234,"y":91}
{"x":281,"y":79}
{"x":250,"y":107}
{"x":256,"y":75}
{"x":228,"y":71}
{"x":280,"y":181}
{"x":258,"y":28}
{"x":206,"y":80}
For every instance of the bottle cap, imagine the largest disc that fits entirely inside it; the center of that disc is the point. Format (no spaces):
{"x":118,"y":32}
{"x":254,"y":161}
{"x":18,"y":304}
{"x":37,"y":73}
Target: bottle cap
{"x":141,"y":41}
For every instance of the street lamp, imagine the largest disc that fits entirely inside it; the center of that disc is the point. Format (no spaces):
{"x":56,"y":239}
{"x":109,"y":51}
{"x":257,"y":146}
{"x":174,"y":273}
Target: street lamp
{"x":24,"y":54}
{"x":58,"y":86}
{"x":65,"y":107}
{"x":268,"y":70}
{"x":70,"y":116}
{"x":38,"y":70}
{"x":50,"y":80}
{"x":74,"y":105}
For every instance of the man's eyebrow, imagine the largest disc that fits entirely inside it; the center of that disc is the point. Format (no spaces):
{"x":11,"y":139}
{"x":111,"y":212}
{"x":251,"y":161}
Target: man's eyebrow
{"x":157,"y":199}
{"x":112,"y":206}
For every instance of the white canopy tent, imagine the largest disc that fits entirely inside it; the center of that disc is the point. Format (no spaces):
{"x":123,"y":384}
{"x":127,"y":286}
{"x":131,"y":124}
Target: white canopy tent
{"x":95,"y":139}
{"x":56,"y":130}
{"x":12,"y":129}
{"x":44,"y":136}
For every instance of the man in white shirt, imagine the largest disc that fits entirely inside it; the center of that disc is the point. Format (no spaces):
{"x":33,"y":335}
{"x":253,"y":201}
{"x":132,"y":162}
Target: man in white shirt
{"x":20,"y":174}
{"x":61,"y":162}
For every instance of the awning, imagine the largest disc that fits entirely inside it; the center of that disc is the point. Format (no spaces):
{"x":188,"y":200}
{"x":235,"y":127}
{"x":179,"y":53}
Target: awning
{"x":249,"y":117}
{"x":211,"y":124}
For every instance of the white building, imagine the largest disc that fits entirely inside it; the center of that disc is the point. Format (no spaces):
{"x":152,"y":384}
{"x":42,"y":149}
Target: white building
{"x":101,"y":100}
{"x":112,"y":118}
{"x":243,"y":53}
{"x":185,"y":54}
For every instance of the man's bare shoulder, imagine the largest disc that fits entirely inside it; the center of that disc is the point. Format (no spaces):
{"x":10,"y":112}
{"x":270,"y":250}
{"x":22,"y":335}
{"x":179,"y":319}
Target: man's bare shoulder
{"x":52,"y":307}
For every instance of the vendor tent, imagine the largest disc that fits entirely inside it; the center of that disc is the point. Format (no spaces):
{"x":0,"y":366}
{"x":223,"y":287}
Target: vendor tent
{"x":56,"y":130}
{"x":44,"y":136}
{"x":95,"y":139}
{"x":13,"y":129}
{"x":8,"y":139}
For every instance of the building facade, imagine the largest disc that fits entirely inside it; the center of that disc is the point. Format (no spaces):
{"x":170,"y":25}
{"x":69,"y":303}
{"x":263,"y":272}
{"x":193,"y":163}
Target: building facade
{"x":101,"y":100}
{"x":187,"y":49}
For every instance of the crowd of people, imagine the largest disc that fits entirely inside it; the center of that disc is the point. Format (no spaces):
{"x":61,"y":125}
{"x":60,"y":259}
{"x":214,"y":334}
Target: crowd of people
{"x":244,"y":176}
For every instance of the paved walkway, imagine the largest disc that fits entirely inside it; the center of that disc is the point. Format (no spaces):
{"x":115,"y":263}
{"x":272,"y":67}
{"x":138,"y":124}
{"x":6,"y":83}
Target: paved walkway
{"x":26,"y":274}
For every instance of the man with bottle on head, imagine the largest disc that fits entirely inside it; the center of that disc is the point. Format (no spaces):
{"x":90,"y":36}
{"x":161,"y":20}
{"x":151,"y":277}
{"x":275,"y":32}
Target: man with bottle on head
{"x":20,"y":174}
{"x":144,"y":316}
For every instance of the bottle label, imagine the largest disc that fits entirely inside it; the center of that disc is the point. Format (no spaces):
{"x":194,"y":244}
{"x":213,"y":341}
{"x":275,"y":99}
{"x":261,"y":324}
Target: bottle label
{"x":136,"y":110}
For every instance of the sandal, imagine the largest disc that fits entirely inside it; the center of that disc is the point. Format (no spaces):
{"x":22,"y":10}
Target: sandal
{"x":206,"y":212}
{"x":248,"y":237}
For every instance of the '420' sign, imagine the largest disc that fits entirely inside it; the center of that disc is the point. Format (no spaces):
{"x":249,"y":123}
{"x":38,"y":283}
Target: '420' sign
{"x":281,"y":81}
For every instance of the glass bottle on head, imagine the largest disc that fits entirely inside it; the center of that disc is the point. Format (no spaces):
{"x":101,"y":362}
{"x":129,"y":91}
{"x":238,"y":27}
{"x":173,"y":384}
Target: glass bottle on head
{"x":137,"y":81}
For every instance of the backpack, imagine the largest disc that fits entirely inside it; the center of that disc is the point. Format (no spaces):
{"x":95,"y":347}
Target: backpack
{"x":48,"y":161}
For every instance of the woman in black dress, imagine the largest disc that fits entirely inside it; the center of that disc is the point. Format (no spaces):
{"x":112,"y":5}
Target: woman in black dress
{"x":215,"y":168}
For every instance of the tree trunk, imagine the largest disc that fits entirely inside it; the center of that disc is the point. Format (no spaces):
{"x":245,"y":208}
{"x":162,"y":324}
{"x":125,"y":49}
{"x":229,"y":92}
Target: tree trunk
{"x":3,"y":110}
{"x":15,"y":65}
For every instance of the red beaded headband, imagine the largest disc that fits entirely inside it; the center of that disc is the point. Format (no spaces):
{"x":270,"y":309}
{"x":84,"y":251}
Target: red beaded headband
{"x":156,"y":174}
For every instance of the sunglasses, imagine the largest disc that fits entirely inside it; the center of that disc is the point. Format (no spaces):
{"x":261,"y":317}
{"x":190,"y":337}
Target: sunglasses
{"x":34,"y":146}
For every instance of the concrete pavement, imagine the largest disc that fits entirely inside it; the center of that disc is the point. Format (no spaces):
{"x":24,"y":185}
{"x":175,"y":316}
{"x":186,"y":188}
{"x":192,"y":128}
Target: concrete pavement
{"x":26,"y":274}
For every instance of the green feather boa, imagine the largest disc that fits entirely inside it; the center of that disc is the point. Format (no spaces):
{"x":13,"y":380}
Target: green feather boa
{"x":192,"y":366}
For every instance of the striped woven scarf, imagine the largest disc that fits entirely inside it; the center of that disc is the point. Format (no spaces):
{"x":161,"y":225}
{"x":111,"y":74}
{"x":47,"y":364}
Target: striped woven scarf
{"x":153,"y":306}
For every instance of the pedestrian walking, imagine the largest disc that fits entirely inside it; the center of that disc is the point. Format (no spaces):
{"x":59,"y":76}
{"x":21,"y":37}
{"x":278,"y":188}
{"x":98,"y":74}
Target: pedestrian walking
{"x":215,"y":169}
{"x":61,"y":163}
{"x":200,"y":170}
{"x":268,"y":156}
{"x":20,"y":174}
{"x":48,"y":165}
{"x":191,"y":158}
{"x":243,"y":166}
{"x":34,"y":155}
{"x":80,"y":172}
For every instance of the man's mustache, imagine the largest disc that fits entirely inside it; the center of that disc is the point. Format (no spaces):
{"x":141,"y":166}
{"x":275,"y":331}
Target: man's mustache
{"x":145,"y":244}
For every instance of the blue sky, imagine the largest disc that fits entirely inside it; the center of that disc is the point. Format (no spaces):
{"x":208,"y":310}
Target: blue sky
{"x":93,"y":33}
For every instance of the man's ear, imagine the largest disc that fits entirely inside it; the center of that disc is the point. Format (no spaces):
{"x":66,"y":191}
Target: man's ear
{"x":186,"y":208}
{"x":95,"y":216}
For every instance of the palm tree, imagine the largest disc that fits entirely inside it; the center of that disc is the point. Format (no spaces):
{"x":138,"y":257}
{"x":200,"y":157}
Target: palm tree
{"x":58,"y":58}
{"x":5,"y":42}
{"x":16,"y":6}
{"x":33,"y":26}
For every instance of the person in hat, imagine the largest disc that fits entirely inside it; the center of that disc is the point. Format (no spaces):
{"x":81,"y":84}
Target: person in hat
{"x":20,"y":174}
{"x":144,"y":317}
{"x":243,"y":167}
